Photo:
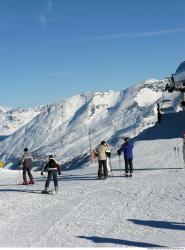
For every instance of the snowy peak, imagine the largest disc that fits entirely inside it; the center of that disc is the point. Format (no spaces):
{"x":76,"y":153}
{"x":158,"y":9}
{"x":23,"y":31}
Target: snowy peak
{"x":148,"y":92}
{"x":13,"y":119}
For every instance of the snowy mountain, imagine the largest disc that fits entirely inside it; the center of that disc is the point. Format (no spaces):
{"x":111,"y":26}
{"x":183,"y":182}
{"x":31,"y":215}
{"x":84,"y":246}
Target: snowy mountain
{"x":12,"y":119}
{"x":63,"y":128}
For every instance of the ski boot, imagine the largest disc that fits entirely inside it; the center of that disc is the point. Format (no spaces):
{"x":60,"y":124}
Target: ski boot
{"x":31,"y":182}
{"x":56,"y":189}
{"x":45,"y":191}
{"x":25,"y":183}
{"x":109,"y":173}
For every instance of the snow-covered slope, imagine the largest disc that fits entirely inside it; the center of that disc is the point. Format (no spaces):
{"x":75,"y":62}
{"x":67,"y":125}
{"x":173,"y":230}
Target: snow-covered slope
{"x":145,"y":211}
{"x":63,"y":128}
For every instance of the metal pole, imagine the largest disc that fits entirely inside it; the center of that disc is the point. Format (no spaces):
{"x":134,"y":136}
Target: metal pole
{"x":91,"y":150}
{"x":120,"y":165}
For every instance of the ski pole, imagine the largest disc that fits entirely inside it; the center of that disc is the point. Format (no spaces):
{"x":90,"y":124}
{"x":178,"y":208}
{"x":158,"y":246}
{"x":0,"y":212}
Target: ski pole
{"x":175,"y":155}
{"x":19,"y":182}
{"x":179,"y":153}
{"x":120,"y":164}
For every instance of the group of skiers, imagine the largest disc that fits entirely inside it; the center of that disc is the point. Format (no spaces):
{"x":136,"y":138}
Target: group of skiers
{"x":51,"y":167}
{"x":103,"y":153}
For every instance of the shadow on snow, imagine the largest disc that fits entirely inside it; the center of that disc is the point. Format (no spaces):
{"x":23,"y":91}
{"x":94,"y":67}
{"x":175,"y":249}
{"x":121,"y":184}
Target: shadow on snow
{"x":97,"y":239}
{"x":20,"y":190}
{"x":172,"y":126}
{"x":160,"y":224}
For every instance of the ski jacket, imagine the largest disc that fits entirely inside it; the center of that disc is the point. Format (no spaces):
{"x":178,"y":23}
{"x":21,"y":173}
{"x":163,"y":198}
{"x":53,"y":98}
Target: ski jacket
{"x":126,"y":149}
{"x":101,"y":152}
{"x":27,"y":160}
{"x":51,"y":165}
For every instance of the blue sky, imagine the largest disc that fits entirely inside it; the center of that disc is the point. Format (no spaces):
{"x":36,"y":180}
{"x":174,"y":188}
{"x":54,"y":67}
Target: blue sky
{"x":52,"y":49}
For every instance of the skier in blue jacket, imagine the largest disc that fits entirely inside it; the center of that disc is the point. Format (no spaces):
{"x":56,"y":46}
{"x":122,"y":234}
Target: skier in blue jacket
{"x":126,"y":149}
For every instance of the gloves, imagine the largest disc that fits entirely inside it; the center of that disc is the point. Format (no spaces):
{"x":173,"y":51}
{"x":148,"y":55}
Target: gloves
{"x":41,"y":173}
{"x":59,"y":173}
{"x":20,"y":162}
{"x":119,"y":152}
{"x":108,"y":154}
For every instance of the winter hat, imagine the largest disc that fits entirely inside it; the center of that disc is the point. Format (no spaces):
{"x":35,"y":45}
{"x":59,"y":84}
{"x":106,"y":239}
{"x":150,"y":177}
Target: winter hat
{"x":125,"y":138}
{"x":25,"y":149}
{"x":50,"y":156}
{"x":103,"y":142}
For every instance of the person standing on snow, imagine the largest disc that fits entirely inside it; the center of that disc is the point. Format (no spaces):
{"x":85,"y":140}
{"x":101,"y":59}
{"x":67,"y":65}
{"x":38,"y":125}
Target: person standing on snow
{"x":52,"y":168}
{"x":102,"y":159}
{"x":126,"y":149}
{"x":183,"y":149}
{"x":27,"y":162}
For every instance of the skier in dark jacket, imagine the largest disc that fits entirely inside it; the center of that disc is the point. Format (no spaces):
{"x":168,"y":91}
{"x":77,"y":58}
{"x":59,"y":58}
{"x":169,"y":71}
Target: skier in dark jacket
{"x":52,"y":168}
{"x":126,"y":149}
{"x":27,"y":161}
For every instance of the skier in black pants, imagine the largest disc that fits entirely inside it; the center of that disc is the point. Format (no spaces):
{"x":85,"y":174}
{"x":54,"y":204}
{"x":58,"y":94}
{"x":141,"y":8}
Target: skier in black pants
{"x":52,"y":168}
{"x":126,"y":148}
{"x":27,"y":162}
{"x":102,"y":160}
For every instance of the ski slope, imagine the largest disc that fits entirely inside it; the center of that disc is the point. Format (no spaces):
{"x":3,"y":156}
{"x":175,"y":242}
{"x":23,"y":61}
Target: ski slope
{"x":145,"y":211}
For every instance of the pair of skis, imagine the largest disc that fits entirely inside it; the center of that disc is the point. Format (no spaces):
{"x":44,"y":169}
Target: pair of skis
{"x":120,"y":168}
{"x":122,"y":171}
{"x":177,"y":154}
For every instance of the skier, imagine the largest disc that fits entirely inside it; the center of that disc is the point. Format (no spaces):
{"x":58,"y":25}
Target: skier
{"x":102,"y":159}
{"x":183,"y":148}
{"x":27,"y":161}
{"x":126,"y":149}
{"x":158,"y":113}
{"x":108,"y":154}
{"x":52,"y":168}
